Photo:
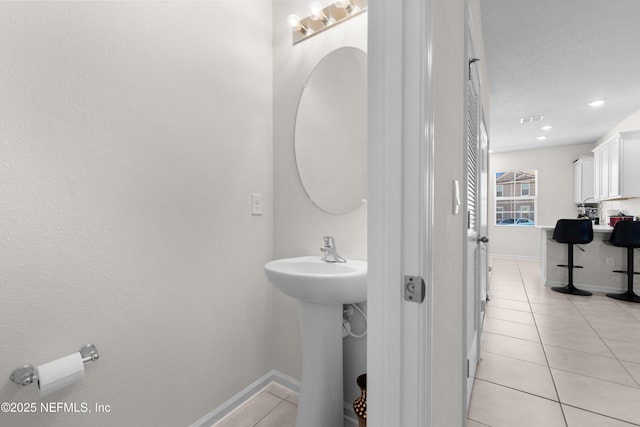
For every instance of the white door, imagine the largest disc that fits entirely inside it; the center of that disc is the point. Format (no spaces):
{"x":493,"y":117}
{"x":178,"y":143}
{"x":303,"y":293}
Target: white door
{"x":476,"y":185}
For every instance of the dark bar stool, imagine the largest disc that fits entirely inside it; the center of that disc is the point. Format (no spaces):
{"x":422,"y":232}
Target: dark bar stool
{"x":626,"y":234}
{"x":572,"y":232}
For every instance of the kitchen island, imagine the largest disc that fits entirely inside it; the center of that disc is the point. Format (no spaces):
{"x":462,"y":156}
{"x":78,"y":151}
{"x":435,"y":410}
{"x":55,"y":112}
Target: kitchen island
{"x":598,"y":258}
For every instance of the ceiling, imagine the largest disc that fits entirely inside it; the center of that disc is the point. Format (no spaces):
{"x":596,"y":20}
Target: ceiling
{"x":551,"y":58}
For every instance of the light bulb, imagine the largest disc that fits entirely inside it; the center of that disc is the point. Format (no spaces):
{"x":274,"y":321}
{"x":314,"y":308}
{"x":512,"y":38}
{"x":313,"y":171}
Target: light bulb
{"x":317,"y":12}
{"x":294,"y":21}
{"x":343,"y":4}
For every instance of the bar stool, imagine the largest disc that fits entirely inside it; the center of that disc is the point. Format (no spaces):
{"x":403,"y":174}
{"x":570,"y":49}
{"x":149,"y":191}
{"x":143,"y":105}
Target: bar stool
{"x":572,"y":232}
{"x":626,"y":234}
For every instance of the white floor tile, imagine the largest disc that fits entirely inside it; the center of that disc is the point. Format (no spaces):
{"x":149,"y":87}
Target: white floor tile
{"x":252,"y":411}
{"x":590,"y":365}
{"x":580,"y":418}
{"x":499,"y":406}
{"x":602,"y":397}
{"x":629,"y":352}
{"x":517,"y":374}
{"x":591,"y":343}
{"x":633,"y":369}
{"x":510,"y":304}
{"x":513,"y":347}
{"x":511,"y":329}
{"x":566,"y":338}
{"x":510,"y":315}
{"x":579,"y":326}
{"x":284,"y":415}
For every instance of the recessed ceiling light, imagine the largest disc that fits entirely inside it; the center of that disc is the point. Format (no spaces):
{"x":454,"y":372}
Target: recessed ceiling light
{"x":531,"y":119}
{"x":596,"y":103}
{"x":541,"y":138}
{"x":547,"y":127}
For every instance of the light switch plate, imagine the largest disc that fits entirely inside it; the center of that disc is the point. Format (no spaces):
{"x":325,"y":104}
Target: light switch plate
{"x":256,"y":204}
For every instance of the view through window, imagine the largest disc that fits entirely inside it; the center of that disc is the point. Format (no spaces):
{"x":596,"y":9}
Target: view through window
{"x":516,"y":193}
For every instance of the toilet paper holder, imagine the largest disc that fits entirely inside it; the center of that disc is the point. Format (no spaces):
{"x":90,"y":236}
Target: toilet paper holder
{"x":26,"y":374}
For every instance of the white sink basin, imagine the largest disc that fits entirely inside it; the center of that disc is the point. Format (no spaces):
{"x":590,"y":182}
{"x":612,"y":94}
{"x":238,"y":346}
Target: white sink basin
{"x":309,"y":279}
{"x":321,"y":288}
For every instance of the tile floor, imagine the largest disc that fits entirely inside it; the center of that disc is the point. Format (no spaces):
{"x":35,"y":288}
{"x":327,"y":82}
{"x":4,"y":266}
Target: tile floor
{"x":274,"y":406}
{"x":550,"y":359}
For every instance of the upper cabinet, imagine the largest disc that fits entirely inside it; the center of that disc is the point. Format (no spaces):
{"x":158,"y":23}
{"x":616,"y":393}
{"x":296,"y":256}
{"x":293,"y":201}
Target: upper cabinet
{"x":583,"y":179}
{"x":616,"y":171}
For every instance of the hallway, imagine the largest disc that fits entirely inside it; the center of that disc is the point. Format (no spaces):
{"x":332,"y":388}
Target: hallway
{"x":554,"y":360}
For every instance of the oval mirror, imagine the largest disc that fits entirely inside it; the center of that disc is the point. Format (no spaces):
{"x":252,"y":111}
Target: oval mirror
{"x":331,"y":132}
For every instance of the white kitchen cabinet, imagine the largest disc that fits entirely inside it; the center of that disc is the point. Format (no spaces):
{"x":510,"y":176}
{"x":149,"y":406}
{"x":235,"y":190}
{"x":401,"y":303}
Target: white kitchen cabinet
{"x":583,"y":172}
{"x":617,"y":167}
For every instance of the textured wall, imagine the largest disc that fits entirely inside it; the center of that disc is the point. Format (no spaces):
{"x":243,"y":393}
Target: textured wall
{"x":132,"y":136}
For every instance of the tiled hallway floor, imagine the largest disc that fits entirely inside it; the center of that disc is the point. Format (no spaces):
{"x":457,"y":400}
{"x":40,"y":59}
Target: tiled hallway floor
{"x":550,"y":359}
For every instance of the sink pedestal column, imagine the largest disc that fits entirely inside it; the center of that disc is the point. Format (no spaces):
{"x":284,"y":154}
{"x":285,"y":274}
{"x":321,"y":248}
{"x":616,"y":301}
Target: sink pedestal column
{"x":321,"y":397}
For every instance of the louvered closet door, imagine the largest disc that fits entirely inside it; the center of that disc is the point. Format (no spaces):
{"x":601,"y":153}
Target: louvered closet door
{"x":472,"y":294}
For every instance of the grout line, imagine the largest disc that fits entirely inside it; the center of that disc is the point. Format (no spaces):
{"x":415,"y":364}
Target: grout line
{"x":518,"y":390}
{"x":272,"y":410}
{"x":582,"y":315}
{"x":615,"y":356}
{"x":597,"y":413}
{"x":553,"y":380}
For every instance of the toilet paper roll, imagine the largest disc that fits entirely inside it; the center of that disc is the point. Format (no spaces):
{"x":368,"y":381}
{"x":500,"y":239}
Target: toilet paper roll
{"x":60,"y":373}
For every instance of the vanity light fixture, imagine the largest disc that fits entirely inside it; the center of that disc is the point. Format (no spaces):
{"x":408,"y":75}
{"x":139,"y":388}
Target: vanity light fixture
{"x":320,"y":18}
{"x":296,"y":24}
{"x":344,"y":4}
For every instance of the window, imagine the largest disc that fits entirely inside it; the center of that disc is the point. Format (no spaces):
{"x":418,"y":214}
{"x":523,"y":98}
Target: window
{"x":516,"y":197}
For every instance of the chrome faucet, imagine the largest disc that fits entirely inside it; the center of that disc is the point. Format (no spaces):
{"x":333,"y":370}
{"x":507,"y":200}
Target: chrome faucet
{"x":329,"y":251}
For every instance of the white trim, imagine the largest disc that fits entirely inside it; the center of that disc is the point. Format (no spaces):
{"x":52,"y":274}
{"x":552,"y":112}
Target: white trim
{"x":400,"y":129}
{"x":527,"y":258}
{"x":384,"y":338}
{"x":245,"y":394}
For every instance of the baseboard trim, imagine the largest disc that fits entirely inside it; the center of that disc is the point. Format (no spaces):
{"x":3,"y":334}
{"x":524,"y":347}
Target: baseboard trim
{"x":245,"y":394}
{"x":252,"y":389}
{"x":524,"y":258}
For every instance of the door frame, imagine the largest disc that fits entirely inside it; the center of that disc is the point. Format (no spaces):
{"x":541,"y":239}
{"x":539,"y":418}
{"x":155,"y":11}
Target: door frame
{"x":400,"y":211}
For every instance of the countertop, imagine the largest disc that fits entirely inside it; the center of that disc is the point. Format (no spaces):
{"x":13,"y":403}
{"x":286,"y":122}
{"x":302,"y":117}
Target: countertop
{"x":596,"y":228}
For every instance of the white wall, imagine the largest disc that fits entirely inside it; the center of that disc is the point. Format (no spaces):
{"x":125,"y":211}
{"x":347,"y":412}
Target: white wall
{"x":555,"y":196}
{"x":132,"y":136}
{"x":299,"y":224}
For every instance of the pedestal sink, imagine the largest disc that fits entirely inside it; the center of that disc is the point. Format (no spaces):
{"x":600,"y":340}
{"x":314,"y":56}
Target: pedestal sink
{"x":321,"y":288}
